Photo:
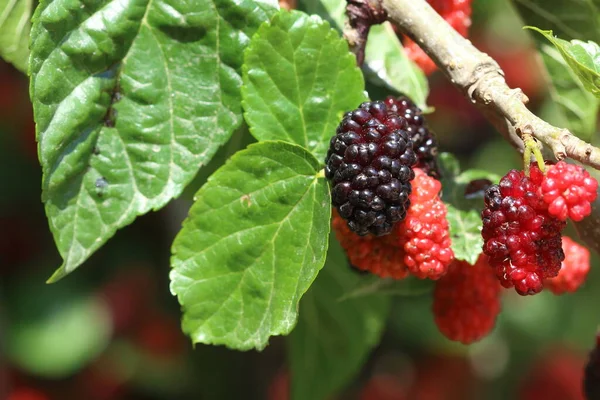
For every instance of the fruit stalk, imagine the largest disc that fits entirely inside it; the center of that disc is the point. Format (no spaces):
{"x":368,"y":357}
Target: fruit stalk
{"x":481,"y":80}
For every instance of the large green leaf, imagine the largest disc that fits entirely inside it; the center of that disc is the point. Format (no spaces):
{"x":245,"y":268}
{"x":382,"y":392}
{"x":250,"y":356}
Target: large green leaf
{"x":386,"y":62}
{"x":463,"y":210}
{"x":253,"y":243}
{"x":333,"y":338}
{"x":15,"y":24}
{"x":299,"y":79}
{"x":582,"y":57}
{"x":130,"y":98}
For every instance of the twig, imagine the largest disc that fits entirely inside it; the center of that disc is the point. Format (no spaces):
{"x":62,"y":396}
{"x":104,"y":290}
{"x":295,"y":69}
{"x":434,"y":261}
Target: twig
{"x":482,"y":81}
{"x":362,"y":14}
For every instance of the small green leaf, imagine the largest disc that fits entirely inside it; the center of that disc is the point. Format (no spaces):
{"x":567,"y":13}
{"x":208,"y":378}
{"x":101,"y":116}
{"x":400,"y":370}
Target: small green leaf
{"x":463,"y":211}
{"x":253,"y":243}
{"x":130,"y":98}
{"x":386,"y":62}
{"x":299,"y":79}
{"x":332,"y":10}
{"x":465,"y":231}
{"x":569,"y":19}
{"x":474,"y":174}
{"x":386,"y":59}
{"x":583,"y":58}
{"x":569,"y":105}
{"x":449,"y":166}
{"x":15,"y":24}
{"x":333,"y":338}
{"x":454,"y":183}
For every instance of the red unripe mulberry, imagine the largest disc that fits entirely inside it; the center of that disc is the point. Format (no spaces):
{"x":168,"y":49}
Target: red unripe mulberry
{"x":574,"y":268}
{"x":425,"y":233}
{"x":569,"y":191}
{"x":420,"y":244}
{"x":466,"y":301}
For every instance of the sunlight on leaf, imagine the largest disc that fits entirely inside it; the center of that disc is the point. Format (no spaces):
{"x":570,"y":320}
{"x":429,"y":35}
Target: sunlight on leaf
{"x":130,"y":101}
{"x":251,"y":246}
{"x":299,"y":79}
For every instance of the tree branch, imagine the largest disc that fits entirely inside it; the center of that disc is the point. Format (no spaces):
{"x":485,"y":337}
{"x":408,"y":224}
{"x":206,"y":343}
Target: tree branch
{"x":482,"y":81}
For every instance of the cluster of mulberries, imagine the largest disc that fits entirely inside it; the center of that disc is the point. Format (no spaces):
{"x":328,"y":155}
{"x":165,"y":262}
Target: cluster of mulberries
{"x":522,"y":223}
{"x":466,"y":301}
{"x":419,"y":245}
{"x":391,"y":221}
{"x":370,"y":163}
{"x":457,"y":13}
{"x":380,"y":255}
{"x":569,"y":191}
{"x":521,"y":238}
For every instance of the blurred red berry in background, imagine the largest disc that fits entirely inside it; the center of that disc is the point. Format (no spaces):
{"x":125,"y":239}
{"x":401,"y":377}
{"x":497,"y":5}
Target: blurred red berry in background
{"x":279,"y":388}
{"x":26,"y":393}
{"x":557,"y":375}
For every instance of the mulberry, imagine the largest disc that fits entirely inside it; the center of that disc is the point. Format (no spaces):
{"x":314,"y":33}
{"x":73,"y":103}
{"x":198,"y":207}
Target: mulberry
{"x":522,"y":240}
{"x":466,"y":301}
{"x":419,"y":245}
{"x":369,"y":164}
{"x":379,"y":255}
{"x":574,"y":268}
{"x":568,"y":190}
{"x":424,"y":142}
{"x":425,"y":233}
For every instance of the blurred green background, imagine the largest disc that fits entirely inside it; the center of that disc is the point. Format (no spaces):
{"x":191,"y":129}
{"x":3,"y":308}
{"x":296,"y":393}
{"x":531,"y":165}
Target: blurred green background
{"x":111,"y":330}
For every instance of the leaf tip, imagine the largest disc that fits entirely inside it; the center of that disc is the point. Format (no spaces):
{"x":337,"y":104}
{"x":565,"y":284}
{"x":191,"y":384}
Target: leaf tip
{"x":56,"y":276}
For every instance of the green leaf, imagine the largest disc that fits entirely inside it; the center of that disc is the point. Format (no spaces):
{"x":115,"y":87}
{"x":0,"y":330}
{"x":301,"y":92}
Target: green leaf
{"x":583,"y":59}
{"x":130,"y":99}
{"x":454,"y":183}
{"x":449,"y":168}
{"x":14,"y":32}
{"x":569,"y":19}
{"x":299,"y":79}
{"x":463,"y":211}
{"x":253,"y":243}
{"x":569,"y":105}
{"x":374,"y":285}
{"x":385,"y":57}
{"x":240,"y":139}
{"x":333,"y":338}
{"x":386,"y":62}
{"x":465,"y":231}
